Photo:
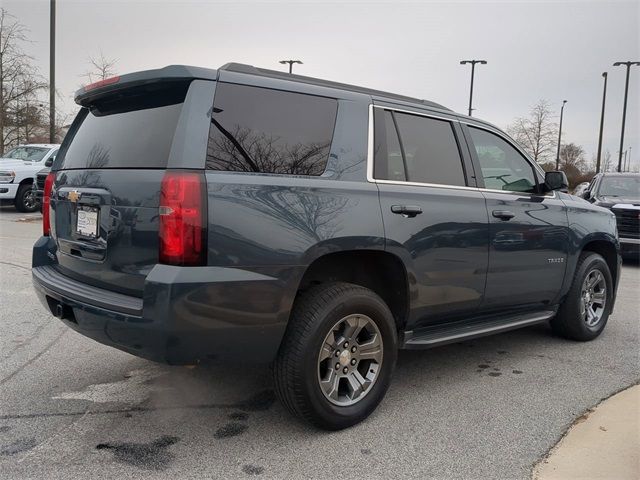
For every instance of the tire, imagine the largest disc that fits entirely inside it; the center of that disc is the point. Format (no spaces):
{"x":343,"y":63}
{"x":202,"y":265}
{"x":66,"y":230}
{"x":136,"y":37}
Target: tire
{"x":316,"y":317}
{"x":570,"y":321}
{"x":26,"y":200}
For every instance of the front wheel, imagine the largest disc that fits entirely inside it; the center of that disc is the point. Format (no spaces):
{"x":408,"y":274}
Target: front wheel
{"x":26,"y":199}
{"x":337,"y":357}
{"x":586,"y":308}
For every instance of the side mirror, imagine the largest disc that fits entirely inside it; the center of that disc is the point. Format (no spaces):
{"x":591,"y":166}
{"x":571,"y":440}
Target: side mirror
{"x":556,"y":181}
{"x":586,"y":195}
{"x":48,"y":162}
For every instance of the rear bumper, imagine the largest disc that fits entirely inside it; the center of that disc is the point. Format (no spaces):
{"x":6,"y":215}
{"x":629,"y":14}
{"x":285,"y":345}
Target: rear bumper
{"x":186,"y":315}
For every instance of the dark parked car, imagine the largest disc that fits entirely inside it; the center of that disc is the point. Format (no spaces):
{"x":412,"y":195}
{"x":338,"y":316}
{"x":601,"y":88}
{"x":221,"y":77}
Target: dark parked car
{"x":38,"y":184}
{"x":247,"y":215}
{"x":620,"y":192}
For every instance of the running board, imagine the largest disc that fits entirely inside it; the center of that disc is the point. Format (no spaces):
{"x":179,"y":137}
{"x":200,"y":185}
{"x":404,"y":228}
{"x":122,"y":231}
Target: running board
{"x":457,"y":332}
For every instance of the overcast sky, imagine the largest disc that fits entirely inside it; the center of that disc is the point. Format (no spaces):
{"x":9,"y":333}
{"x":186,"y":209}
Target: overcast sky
{"x":535,"y":50}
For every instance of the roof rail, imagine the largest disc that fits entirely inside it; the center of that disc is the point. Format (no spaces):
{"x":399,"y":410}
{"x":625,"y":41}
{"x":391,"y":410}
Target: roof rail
{"x":263,"y":72}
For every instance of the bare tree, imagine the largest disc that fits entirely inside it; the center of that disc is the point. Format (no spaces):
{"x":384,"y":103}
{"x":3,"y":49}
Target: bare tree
{"x":536,"y":133}
{"x":19,"y":80}
{"x":100,"y":68}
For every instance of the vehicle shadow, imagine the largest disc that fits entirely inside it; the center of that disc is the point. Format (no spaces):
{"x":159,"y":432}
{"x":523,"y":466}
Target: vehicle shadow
{"x":238,"y":392}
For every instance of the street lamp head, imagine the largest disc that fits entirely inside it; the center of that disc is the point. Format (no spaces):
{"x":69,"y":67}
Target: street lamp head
{"x":604,"y":74}
{"x":564,"y":101}
{"x":482,"y":62}
{"x":617,"y":64}
{"x":282,"y":62}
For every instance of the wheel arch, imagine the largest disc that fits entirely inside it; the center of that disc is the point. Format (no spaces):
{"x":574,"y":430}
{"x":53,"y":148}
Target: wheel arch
{"x":378,"y":270}
{"x":609,"y":251}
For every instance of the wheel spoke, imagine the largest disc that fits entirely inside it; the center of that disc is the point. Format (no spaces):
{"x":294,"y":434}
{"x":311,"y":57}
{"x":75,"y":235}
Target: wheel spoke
{"x":356,"y":384}
{"x":371,"y":350}
{"x":354,"y":327}
{"x":591,"y":316}
{"x":330,"y":385}
{"x":326,"y":351}
{"x":598,"y":297}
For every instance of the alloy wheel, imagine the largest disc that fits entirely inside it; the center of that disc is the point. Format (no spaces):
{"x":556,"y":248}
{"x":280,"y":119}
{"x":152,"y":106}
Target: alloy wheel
{"x":350,"y":359}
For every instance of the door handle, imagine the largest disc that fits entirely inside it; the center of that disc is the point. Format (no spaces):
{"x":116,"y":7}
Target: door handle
{"x":503,"y":214}
{"x":407,"y":211}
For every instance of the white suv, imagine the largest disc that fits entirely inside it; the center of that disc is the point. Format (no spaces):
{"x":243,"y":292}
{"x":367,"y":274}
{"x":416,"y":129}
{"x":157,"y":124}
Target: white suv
{"x":18,"y":168}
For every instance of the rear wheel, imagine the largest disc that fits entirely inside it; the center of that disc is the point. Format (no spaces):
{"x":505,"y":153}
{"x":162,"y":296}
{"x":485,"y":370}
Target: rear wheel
{"x":585,"y":311}
{"x":336,"y":360}
{"x":26,"y":200}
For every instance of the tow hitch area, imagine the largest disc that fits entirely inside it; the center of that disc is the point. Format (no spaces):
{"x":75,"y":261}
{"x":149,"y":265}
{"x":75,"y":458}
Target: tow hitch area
{"x":60,"y":310}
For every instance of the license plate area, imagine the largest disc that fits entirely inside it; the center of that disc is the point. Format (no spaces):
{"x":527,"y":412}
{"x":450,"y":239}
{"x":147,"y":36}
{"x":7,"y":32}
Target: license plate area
{"x":87,"y":221}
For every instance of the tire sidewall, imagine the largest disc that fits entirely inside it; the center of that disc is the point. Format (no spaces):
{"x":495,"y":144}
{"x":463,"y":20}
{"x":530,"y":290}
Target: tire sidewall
{"x":344,"y":416}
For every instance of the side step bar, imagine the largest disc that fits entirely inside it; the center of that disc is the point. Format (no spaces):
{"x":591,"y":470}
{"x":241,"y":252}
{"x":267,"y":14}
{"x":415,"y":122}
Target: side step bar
{"x":457,"y":332}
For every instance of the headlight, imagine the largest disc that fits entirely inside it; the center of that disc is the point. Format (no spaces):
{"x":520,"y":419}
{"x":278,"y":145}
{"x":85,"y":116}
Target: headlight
{"x":7,"y":177}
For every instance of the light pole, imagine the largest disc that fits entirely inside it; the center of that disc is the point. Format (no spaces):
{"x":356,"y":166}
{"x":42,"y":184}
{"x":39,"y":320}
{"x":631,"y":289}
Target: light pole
{"x":624,"y":108}
{"x":604,"y":98}
{"x":560,"y":136}
{"x":52,"y":72}
{"x":290,"y":62}
{"x":473,"y":69}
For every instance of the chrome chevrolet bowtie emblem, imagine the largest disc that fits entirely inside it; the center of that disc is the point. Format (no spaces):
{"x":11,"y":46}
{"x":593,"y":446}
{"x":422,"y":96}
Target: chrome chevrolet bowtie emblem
{"x":74,"y":196}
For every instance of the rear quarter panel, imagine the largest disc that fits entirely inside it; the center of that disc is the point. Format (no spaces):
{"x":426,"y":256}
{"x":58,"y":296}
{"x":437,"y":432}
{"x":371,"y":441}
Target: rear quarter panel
{"x":277,"y":225}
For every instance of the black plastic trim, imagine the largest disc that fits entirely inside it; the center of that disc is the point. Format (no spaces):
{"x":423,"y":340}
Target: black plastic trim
{"x":51,"y":279}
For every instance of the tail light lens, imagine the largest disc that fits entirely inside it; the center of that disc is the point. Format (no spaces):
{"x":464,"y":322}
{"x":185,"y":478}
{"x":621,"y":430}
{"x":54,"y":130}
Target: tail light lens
{"x":183,"y":214}
{"x":46,"y":202}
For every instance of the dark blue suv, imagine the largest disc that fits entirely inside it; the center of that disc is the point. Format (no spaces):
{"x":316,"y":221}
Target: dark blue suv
{"x":247,"y":215}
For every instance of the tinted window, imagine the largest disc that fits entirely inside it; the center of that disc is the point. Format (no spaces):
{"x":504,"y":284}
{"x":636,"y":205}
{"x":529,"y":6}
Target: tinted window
{"x":261,"y":130}
{"x":430,"y":149}
{"x":503,"y":167}
{"x":131,"y":139}
{"x":388,"y":162}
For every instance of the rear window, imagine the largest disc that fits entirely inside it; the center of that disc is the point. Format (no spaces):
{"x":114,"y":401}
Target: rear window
{"x":262,"y":130}
{"x":129,"y":131}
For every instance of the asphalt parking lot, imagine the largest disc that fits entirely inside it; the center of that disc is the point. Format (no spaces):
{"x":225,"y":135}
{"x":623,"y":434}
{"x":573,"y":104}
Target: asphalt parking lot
{"x":488,"y":408}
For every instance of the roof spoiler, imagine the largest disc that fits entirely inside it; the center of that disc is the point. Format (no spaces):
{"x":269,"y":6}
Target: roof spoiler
{"x":173,"y":73}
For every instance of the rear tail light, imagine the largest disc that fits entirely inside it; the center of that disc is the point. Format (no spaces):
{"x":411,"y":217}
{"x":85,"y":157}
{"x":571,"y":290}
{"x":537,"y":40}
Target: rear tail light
{"x":46,"y":202}
{"x":183,"y":213}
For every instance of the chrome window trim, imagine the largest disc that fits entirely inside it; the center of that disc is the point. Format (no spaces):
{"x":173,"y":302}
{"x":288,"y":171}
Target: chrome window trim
{"x":370,"y":155}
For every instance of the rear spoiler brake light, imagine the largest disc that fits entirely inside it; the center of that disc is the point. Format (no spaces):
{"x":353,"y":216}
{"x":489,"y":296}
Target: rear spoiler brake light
{"x":101,"y":83}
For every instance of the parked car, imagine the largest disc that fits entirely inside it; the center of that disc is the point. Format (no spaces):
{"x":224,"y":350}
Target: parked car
{"x":620,"y":192}
{"x":580,"y":189}
{"x":39,"y":181}
{"x":17,"y":170}
{"x":270,"y":217}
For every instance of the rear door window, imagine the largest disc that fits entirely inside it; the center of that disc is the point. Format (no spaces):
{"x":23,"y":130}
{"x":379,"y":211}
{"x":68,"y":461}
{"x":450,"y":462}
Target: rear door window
{"x":257,"y":129}
{"x":431,"y":150}
{"x":426,"y":151}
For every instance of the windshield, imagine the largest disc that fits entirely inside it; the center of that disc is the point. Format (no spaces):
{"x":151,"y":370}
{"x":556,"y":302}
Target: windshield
{"x":28,"y":154}
{"x":620,"y":187}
